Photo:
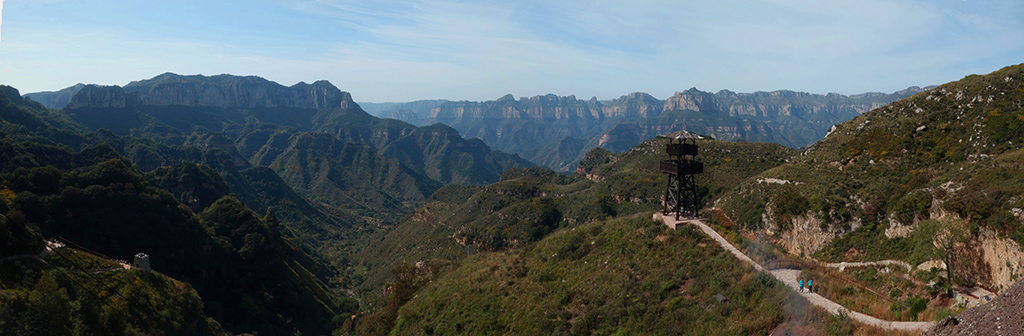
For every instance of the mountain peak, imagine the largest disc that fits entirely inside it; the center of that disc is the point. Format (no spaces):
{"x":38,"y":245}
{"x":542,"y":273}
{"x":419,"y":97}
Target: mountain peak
{"x":236,"y":91}
{"x":691,"y":99}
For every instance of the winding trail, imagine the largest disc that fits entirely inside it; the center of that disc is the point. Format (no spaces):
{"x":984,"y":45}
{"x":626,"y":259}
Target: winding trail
{"x":789,"y":277}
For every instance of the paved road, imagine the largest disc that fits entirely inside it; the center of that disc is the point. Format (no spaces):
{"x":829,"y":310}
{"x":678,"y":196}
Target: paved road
{"x":789,"y":277}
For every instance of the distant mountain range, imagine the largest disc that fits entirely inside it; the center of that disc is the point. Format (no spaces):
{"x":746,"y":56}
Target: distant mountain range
{"x":556,"y":131}
{"x":291,"y":210}
{"x":199,"y":156}
{"x":291,"y":128}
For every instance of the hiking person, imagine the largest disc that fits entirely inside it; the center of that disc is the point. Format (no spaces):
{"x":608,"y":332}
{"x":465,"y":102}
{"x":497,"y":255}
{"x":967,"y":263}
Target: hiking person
{"x":810,"y":285}
{"x":801,"y":286}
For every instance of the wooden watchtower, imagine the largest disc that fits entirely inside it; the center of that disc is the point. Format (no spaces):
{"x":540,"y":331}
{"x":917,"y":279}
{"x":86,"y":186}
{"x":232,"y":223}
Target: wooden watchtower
{"x":682,"y":168}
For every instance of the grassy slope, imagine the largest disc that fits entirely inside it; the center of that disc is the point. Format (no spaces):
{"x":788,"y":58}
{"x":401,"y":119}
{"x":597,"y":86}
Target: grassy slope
{"x":458,"y":221}
{"x":625,"y":276}
{"x":888,"y":165}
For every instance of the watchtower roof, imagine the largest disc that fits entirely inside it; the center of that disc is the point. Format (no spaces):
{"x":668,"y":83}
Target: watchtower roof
{"x":683,"y":135}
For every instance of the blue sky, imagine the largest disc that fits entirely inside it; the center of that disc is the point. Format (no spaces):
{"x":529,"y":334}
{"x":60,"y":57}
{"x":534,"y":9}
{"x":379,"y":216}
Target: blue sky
{"x":403,"y":50}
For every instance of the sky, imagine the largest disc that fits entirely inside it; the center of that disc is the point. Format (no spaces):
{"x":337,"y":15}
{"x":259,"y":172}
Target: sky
{"x":405,"y":50}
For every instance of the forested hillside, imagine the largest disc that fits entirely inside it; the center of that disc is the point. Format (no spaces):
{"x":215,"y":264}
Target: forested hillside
{"x":58,"y":182}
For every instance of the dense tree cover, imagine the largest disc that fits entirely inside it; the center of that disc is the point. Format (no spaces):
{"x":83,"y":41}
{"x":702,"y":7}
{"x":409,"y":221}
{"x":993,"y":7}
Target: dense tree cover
{"x":194,"y":185}
{"x":70,"y":302}
{"x":113,"y":210}
{"x":251,"y":277}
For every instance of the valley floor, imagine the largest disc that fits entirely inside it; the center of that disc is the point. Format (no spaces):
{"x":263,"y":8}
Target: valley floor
{"x":789,"y":277}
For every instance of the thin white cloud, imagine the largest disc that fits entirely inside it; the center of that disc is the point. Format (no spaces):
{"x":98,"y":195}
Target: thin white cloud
{"x":1,"y":19}
{"x":416,"y":49}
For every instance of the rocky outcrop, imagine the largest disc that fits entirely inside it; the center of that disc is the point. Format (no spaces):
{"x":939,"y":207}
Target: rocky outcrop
{"x":236,"y":91}
{"x":637,"y":104}
{"x":783,"y":102}
{"x":807,"y":234}
{"x":550,"y":106}
{"x":537,"y":107}
{"x":691,"y":99}
{"x":1001,"y":260}
{"x":95,"y":96}
{"x":56,"y":99}
{"x":534,"y":126}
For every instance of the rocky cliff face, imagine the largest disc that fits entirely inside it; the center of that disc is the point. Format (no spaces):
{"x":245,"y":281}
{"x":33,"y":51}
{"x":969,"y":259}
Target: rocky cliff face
{"x":637,"y":104}
{"x":691,"y":99}
{"x":783,"y":102}
{"x":102,"y":97}
{"x":56,"y":99}
{"x":1001,"y":261}
{"x":534,"y":126}
{"x":234,"y":91}
{"x":550,"y":107}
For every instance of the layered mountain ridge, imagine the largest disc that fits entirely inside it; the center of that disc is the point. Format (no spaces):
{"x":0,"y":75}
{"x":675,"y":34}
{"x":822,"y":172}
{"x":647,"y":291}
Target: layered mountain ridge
{"x":253,"y":112}
{"x":541,"y":127}
{"x":639,"y":104}
{"x":216,"y":91}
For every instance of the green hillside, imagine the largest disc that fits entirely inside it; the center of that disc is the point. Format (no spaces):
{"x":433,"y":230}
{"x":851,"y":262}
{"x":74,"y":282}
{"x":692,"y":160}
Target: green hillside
{"x":624,"y":276}
{"x":528,"y":204}
{"x":949,"y":154}
{"x":320,"y":142}
{"x":193,"y":230}
{"x":71,"y":292}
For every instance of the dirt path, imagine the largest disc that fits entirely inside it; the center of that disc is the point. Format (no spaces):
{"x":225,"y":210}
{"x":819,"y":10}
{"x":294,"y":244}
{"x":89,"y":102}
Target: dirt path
{"x":789,"y":277}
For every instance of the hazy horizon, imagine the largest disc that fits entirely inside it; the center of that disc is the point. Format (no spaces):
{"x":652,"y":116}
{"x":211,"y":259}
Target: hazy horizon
{"x":401,"y":51}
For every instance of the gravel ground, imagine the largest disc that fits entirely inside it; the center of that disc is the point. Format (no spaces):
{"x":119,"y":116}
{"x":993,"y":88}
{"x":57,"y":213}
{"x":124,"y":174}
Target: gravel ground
{"x":1003,"y":316}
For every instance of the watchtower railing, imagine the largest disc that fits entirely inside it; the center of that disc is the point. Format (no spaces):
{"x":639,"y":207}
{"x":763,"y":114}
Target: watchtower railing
{"x":682,"y":167}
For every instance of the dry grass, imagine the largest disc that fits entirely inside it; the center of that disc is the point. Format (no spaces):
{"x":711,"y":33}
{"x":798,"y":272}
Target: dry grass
{"x":873,"y":297}
{"x":866,"y":330}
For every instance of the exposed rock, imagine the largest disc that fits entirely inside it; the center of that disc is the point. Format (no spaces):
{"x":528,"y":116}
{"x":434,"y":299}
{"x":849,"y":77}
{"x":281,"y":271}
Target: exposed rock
{"x":807,"y":235}
{"x":216,"y":91}
{"x":102,"y":97}
{"x":1003,"y":256}
{"x":550,"y":106}
{"x":931,"y":264}
{"x":776,"y":181}
{"x":782,"y":102}
{"x":536,"y":127}
{"x":235,"y":91}
{"x":897,"y":228}
{"x":692,"y":99}
{"x":56,"y":99}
